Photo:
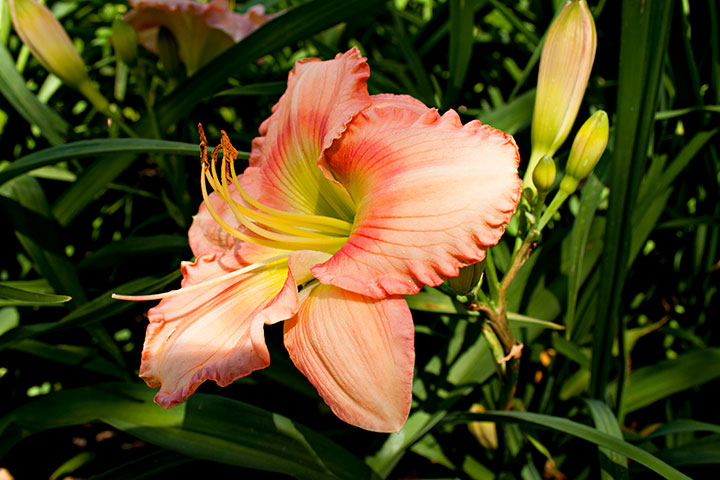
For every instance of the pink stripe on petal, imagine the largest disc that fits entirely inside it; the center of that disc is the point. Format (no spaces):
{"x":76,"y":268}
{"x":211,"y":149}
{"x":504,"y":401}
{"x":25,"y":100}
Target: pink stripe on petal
{"x":320,"y":100}
{"x":357,"y":352}
{"x":215,"y":333}
{"x":432,"y":195}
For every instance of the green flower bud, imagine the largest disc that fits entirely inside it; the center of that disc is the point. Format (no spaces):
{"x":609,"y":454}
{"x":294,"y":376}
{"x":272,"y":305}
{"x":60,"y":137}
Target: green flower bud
{"x":468,"y":278}
{"x":544,"y":174}
{"x":47,"y":40}
{"x":588,"y":146}
{"x":485,"y":432}
{"x":565,"y":64}
{"x":125,"y":41}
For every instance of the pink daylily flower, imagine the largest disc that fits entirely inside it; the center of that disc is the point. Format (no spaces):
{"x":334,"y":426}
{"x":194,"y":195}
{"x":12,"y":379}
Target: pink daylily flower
{"x":202,"y":30}
{"x":357,"y":199}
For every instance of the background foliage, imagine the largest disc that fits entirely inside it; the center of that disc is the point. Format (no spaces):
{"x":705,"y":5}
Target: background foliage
{"x":628,"y":273}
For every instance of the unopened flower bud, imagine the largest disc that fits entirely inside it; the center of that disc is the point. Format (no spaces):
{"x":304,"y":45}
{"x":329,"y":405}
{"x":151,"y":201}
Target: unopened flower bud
{"x":124,"y":39}
{"x":485,"y":432}
{"x":47,"y":40}
{"x":565,"y":65}
{"x":587,"y":148}
{"x":544,"y":174}
{"x":468,"y":278}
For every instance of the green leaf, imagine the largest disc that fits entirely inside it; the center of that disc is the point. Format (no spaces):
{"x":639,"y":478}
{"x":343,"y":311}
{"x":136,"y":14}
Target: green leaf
{"x":510,"y":117}
{"x":30,"y":216}
{"x":649,"y":384}
{"x":84,"y":357}
{"x":12,"y":86}
{"x":578,"y":430}
{"x":269,"y":88}
{"x":462,"y":16}
{"x":591,"y":194}
{"x":31,"y":298}
{"x":94,"y":148}
{"x":613,"y":465}
{"x":417,"y":425}
{"x":206,"y":426}
{"x":644,"y":35}
{"x":148,"y":466}
{"x":134,"y":249}
{"x":92,"y":312}
{"x":684,"y":425}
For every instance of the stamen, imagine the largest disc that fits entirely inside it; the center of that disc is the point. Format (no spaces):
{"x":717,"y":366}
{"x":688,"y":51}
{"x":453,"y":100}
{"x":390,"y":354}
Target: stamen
{"x":290,"y":243}
{"x":274,"y":228}
{"x":208,"y":283}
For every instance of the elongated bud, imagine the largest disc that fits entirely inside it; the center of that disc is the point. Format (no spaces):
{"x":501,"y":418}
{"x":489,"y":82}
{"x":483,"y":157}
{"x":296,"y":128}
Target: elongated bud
{"x":565,"y":65}
{"x":587,"y":148}
{"x":485,"y":432}
{"x":47,"y":40}
{"x":544,"y":174}
{"x":468,"y":278}
{"x":124,"y":39}
{"x":50,"y":45}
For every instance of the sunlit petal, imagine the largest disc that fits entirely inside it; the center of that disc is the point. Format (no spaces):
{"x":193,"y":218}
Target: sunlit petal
{"x":320,"y":100}
{"x":202,"y":30}
{"x":358,"y":352}
{"x":214,"y":333}
{"x":431,"y":196}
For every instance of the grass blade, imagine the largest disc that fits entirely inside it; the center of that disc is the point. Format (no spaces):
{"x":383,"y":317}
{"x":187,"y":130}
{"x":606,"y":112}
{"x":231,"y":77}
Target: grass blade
{"x":644,"y":36}
{"x":578,"y":430}
{"x":31,"y":298}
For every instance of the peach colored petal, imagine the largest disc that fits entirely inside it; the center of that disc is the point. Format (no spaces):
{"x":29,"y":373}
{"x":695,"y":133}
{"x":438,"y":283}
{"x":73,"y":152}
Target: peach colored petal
{"x":431,"y":195}
{"x":404,"y":102}
{"x":202,"y":30}
{"x":320,"y":100}
{"x":358,"y":353}
{"x":214,"y":333}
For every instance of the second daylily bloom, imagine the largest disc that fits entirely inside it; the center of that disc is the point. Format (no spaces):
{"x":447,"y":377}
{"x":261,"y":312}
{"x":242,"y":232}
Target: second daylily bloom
{"x":201,"y":30}
{"x":356,"y":199}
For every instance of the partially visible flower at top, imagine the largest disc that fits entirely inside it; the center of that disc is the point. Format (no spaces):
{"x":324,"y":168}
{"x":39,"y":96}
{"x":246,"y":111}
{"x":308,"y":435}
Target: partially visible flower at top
{"x":565,"y":64}
{"x":202,"y":30}
{"x":52,"y":48}
{"x":358,"y":200}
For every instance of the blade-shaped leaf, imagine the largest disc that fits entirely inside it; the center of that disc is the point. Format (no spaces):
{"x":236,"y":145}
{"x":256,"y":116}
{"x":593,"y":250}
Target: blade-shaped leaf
{"x":578,"y":430}
{"x":207,"y":426}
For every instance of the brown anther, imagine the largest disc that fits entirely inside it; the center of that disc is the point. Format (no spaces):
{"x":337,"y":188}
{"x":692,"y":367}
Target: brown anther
{"x":203,"y":146}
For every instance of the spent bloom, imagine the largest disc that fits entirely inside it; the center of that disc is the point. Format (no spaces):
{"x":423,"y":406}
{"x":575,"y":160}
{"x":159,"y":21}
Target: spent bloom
{"x":565,"y":64}
{"x":201,"y":30}
{"x":356,"y":199}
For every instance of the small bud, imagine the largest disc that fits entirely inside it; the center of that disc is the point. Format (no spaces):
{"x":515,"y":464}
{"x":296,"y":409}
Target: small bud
{"x":565,"y":65}
{"x":47,"y":40}
{"x":588,"y":146}
{"x":485,"y":432}
{"x":468,"y":278}
{"x":124,"y":39}
{"x":544,"y":174}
